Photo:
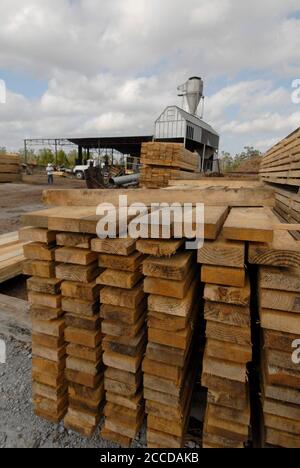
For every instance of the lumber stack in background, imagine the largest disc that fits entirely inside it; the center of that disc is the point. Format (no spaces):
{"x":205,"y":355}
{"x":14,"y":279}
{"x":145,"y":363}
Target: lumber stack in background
{"x":281,"y":164}
{"x":77,"y":268}
{"x":228,"y":347}
{"x":11,"y":256}
{"x":162,"y":162}
{"x":278,"y":291}
{"x":123,"y":313}
{"x":170,"y":364}
{"x":10,"y":168}
{"x":50,"y":394}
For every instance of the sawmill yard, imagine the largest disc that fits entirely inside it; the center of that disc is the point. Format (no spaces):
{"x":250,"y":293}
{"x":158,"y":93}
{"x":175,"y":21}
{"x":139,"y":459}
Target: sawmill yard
{"x":142,"y":342}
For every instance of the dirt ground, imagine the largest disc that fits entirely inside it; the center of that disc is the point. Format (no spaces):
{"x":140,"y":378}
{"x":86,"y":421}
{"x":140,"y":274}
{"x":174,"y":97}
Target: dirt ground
{"x":20,"y":198}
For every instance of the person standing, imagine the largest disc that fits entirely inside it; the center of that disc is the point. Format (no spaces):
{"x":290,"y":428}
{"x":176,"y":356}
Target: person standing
{"x":50,"y":172}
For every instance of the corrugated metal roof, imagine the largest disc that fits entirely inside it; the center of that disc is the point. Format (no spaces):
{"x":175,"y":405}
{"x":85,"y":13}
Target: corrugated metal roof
{"x":196,"y":120}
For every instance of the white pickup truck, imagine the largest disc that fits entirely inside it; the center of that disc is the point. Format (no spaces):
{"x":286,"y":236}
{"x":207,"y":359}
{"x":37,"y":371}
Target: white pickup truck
{"x":78,"y":171}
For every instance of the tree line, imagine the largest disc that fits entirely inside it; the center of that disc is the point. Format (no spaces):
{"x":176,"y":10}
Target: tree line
{"x":231,"y":163}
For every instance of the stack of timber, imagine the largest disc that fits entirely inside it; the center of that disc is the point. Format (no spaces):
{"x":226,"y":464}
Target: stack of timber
{"x":77,"y":268}
{"x":278,"y":293}
{"x":162,"y":162}
{"x":169,"y":370}
{"x":10,"y":168}
{"x":50,"y":393}
{"x":287,"y":206}
{"x":123,"y":313}
{"x":11,"y":256}
{"x":174,"y":330}
{"x":228,"y":350}
{"x":228,"y":346}
{"x":279,"y":290}
{"x":281,"y":164}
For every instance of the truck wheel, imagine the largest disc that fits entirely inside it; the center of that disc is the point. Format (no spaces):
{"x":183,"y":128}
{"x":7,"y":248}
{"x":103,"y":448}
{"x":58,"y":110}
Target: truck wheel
{"x":80,"y":175}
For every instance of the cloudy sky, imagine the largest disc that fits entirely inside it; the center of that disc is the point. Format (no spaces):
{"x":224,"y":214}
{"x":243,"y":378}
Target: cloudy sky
{"x":109,"y":67}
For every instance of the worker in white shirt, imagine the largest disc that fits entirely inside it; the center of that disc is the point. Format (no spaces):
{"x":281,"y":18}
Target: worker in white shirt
{"x":50,"y":172}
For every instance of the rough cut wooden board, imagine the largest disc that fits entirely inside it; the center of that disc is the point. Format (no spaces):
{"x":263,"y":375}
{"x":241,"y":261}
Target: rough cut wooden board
{"x":281,"y":279}
{"x":248,"y":224}
{"x":15,"y":318}
{"x":222,"y":252}
{"x":229,"y":295}
{"x":226,"y":276}
{"x":159,"y":247}
{"x":284,"y":251}
{"x":123,"y":247}
{"x":75,"y":256}
{"x":175,"y":267}
{"x":280,"y":300}
{"x":210,"y":196}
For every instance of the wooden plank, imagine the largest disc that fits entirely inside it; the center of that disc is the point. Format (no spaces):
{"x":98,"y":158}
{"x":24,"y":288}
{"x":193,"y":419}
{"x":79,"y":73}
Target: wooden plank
{"x":226,"y":276}
{"x":226,"y":333}
{"x":82,"y":241}
{"x":122,"y":298}
{"x":159,"y":247}
{"x":280,"y":300}
{"x":123,"y":247}
{"x":227,"y":294}
{"x":130,"y":263}
{"x":77,"y":273}
{"x":246,"y":224}
{"x":173,"y":268}
{"x":225,"y":369}
{"x":162,"y":287}
{"x":119,"y":279}
{"x":222,"y":252}
{"x":31,"y":234}
{"x":39,"y":251}
{"x":15,"y":318}
{"x":280,"y":279}
{"x":280,"y":321}
{"x":215,"y":197}
{"x":75,"y":255}
{"x":227,"y":313}
{"x":40,"y":268}
{"x":229,"y":352}
{"x":172,"y":306}
{"x":78,"y":290}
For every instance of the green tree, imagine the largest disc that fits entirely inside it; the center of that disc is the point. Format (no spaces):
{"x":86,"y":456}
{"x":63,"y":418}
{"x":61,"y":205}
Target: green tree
{"x":45,"y":156}
{"x":72,"y":157}
{"x":2,"y":150}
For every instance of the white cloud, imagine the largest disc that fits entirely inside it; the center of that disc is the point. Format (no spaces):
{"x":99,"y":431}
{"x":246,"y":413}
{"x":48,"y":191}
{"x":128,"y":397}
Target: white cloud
{"x":112,"y":66}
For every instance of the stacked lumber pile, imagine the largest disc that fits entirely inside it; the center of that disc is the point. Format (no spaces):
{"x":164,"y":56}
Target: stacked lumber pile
{"x":278,"y":292}
{"x":162,"y":162}
{"x":77,"y":268}
{"x":10,"y":168}
{"x":161,"y":369}
{"x":281,"y":167}
{"x":228,"y":350}
{"x":174,"y":329}
{"x":11,"y":256}
{"x":123,"y":311}
{"x":50,"y":391}
{"x":228,"y":347}
{"x":287,"y":206}
{"x":281,"y":164}
{"x":169,"y":369}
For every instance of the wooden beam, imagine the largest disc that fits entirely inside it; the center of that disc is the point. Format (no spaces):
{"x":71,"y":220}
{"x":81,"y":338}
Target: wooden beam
{"x":258,"y":196}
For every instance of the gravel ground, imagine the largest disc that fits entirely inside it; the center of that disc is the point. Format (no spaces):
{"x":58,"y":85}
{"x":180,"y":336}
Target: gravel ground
{"x":17,"y":199}
{"x":19,"y":427}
